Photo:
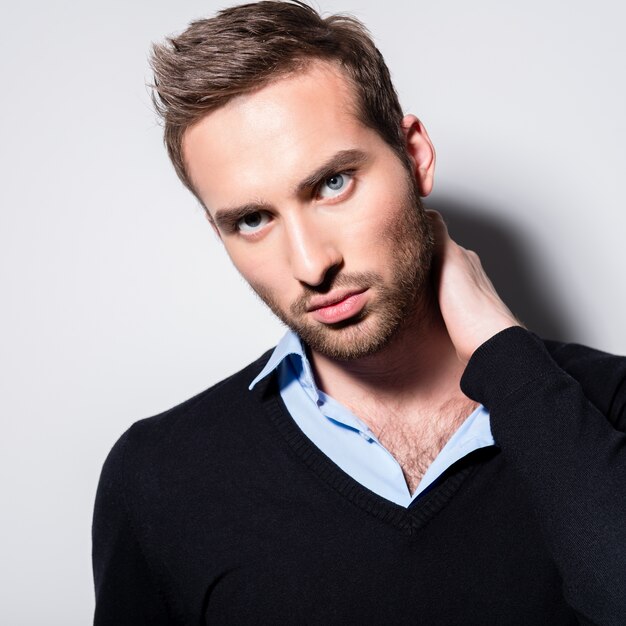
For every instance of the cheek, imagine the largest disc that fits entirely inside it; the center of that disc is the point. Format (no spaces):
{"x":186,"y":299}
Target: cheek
{"x":244,"y":263}
{"x":260,"y":268}
{"x":381,"y":225}
{"x":382,"y":205}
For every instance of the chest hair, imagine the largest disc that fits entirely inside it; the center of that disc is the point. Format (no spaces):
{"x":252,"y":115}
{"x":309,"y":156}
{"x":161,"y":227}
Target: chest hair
{"x":416,"y":442}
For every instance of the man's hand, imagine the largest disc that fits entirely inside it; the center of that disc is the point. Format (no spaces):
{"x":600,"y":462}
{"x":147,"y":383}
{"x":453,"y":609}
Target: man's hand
{"x":471,"y":309}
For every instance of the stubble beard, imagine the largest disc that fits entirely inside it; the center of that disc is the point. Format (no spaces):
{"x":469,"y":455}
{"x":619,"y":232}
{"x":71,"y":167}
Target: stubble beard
{"x":394,"y":304}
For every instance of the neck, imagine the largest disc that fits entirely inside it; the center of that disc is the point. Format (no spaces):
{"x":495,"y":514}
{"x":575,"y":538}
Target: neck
{"x":418,"y":370}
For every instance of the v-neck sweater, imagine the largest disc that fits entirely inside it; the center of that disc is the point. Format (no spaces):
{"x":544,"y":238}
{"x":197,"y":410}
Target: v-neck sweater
{"x":348,"y":441}
{"x":221,"y":511}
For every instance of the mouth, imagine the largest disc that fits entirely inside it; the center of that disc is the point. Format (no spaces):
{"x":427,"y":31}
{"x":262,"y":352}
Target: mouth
{"x":338,"y":306}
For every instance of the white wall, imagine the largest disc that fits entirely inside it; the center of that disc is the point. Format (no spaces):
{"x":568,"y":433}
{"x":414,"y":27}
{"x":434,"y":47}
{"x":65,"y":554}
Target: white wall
{"x":117,"y":301}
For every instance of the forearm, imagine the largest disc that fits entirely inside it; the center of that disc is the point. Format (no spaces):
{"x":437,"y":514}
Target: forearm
{"x":569,"y":459}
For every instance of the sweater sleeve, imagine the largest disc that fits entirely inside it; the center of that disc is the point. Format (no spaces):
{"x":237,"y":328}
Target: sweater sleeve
{"x":125,"y":590}
{"x":569,"y":458}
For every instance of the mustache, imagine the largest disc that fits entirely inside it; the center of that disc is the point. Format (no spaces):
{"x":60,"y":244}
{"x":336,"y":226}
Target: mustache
{"x":353,"y":280}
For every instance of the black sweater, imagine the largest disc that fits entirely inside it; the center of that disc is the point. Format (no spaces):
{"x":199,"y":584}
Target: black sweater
{"x":221,"y":511}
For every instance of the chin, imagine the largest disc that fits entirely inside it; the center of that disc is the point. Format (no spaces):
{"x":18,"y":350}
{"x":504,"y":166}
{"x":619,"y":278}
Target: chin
{"x":351,"y":339}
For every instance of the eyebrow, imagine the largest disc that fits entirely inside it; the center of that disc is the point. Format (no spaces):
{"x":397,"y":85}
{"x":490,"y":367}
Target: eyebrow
{"x":341,"y":161}
{"x":226,"y":219}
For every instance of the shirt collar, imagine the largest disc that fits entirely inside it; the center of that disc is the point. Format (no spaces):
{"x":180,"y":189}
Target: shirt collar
{"x":289,"y":345}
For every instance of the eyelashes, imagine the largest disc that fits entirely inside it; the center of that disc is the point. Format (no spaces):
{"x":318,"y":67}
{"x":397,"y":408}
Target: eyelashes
{"x":252,"y":219}
{"x":336,"y":185}
{"x":252,"y":222}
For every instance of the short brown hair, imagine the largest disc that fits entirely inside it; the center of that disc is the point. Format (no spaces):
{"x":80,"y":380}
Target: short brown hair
{"x":245,"y":47}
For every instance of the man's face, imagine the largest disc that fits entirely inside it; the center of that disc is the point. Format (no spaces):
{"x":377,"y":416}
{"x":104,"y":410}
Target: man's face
{"x":315,"y":210}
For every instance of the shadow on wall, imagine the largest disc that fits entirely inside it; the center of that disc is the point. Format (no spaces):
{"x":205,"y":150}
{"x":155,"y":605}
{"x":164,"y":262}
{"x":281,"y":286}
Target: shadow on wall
{"x":510,"y":265}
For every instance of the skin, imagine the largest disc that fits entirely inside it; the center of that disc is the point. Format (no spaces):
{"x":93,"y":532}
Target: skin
{"x":306,"y":238}
{"x":312,"y":240}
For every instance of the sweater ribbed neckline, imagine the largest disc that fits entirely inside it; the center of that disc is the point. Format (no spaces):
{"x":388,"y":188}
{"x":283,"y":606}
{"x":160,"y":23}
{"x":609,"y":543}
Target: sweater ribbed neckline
{"x":408,"y":520}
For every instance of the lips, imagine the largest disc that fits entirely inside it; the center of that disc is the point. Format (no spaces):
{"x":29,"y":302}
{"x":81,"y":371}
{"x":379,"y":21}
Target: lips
{"x":337,"y":306}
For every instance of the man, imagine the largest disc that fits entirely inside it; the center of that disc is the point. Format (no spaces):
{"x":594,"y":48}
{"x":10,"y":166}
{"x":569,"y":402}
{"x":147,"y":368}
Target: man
{"x":408,"y":452}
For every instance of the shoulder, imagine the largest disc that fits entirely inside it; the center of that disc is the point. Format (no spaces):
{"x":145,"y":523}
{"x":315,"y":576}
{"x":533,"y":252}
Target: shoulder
{"x":601,"y":375}
{"x":516,"y":357}
{"x":205,"y":421}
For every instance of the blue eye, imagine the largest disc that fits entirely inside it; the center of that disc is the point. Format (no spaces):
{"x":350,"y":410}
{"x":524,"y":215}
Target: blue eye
{"x":252,"y":222}
{"x":335,"y":185}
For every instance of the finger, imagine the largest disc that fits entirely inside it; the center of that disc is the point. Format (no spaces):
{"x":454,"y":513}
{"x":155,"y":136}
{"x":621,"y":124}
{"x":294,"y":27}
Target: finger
{"x":435,"y":217}
{"x":440,"y":238}
{"x":440,"y":230}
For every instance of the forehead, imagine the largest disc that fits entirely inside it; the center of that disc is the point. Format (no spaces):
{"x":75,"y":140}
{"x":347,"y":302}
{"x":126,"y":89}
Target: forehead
{"x":278,"y":132}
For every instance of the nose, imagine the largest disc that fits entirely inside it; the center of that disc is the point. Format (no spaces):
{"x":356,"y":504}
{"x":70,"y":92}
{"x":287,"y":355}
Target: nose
{"x":313,"y":251}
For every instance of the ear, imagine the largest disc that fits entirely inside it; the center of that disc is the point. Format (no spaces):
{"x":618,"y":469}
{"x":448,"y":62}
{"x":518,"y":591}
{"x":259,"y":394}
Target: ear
{"x":421,"y":152}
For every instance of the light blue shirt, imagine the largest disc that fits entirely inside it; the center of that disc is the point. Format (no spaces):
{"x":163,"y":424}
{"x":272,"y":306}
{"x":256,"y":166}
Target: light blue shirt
{"x":348,"y":441}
